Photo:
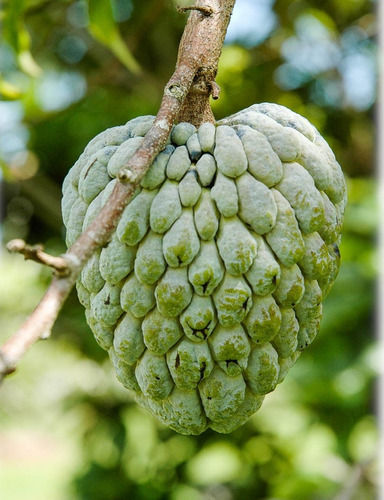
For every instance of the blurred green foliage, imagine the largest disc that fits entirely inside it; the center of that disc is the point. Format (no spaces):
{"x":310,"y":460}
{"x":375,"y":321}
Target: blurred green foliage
{"x":69,"y":69}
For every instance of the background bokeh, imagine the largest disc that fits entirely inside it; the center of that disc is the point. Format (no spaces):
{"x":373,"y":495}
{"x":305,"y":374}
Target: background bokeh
{"x":68,"y":430}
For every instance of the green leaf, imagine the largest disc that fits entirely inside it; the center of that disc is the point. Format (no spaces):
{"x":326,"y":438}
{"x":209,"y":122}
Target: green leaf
{"x":103,"y":27}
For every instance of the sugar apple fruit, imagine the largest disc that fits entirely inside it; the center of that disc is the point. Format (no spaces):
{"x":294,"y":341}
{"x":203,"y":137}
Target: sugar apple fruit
{"x":212,"y":284}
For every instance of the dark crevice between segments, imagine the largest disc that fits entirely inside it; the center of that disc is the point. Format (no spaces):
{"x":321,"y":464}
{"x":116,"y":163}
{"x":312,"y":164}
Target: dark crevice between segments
{"x":245,"y":304}
{"x":205,"y":286}
{"x":201,"y":333}
{"x":202,"y":370}
{"x":108,"y":300}
{"x":177,"y":361}
{"x":231,"y":361}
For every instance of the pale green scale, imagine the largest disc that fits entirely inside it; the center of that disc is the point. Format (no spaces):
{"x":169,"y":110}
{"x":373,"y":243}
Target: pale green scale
{"x":181,"y":242}
{"x":123,"y":154}
{"x":298,"y":188}
{"x":229,"y":152}
{"x":94,"y":175}
{"x":134,"y":223}
{"x":285,"y":341}
{"x":75,"y":221}
{"x":93,"y":210}
{"x":160,"y":332}
{"x":206,"y":216}
{"x":286,"y":117}
{"x":102,"y":334}
{"x":233,"y":300}
{"x":153,"y":375}
{"x":206,"y":169}
{"x":114,"y":136}
{"x":221,"y":394}
{"x":258,"y":121}
{"x":150,"y":263}
{"x":178,"y":164}
{"x":105,"y":194}
{"x":326,"y":282}
{"x":188,"y":412}
{"x":116,"y":260}
{"x":128,"y":341}
{"x":263,"y":369}
{"x":136,"y":297}
{"x":308,"y":332}
{"x":263,"y":320}
{"x":124,"y":373}
{"x":263,"y":162}
{"x":290,"y":290}
{"x":315,"y":262}
{"x":230,"y":348}
{"x":155,"y":176}
{"x":286,"y":364}
{"x":206,"y":133}
{"x":142,"y":127}
{"x":207,"y":270}
{"x":264,"y":273}
{"x":76,"y":169}
{"x":173,"y":292}
{"x":237,"y":247}
{"x":68,"y":181}
{"x":105,"y":305}
{"x":316,"y":163}
{"x":310,"y":306}
{"x":199,"y":318}
{"x":189,"y":189}
{"x":182,"y":132}
{"x":337,"y":188}
{"x":332,"y":226}
{"x":189,"y":362}
{"x":90,"y":276}
{"x":257,"y":206}
{"x":286,"y":144}
{"x":285,"y":238}
{"x":70,"y":196}
{"x":194,"y":148}
{"x":224,"y":192}
{"x":84,"y":295}
{"x":248,"y":407}
{"x":181,"y":411}
{"x":166,"y":207}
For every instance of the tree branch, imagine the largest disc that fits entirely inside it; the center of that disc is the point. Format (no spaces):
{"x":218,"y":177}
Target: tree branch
{"x":186,"y":97}
{"x":36,"y":253}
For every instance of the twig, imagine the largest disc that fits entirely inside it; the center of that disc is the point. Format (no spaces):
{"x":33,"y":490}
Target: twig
{"x":36,"y":253}
{"x":186,"y":95}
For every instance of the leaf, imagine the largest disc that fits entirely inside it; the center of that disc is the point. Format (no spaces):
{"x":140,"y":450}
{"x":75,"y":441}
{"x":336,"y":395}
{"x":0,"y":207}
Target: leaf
{"x":103,"y":27}
{"x":17,"y":35}
{"x":9,"y":91}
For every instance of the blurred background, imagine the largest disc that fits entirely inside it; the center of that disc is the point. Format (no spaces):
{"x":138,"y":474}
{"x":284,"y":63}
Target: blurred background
{"x":68,"y":430}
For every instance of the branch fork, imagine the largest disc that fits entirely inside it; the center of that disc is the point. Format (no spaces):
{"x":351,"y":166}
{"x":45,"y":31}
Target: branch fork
{"x":186,"y":98}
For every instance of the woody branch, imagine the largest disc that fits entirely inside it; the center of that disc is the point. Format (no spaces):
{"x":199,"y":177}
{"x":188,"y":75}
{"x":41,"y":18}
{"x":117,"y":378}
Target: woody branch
{"x":186,"y":98}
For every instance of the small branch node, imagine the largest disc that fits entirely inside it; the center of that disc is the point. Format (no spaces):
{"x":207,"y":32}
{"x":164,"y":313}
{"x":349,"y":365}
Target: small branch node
{"x":125,"y":175}
{"x":215,"y":92}
{"x":203,"y":9}
{"x":175,"y":90}
{"x":37,"y":254}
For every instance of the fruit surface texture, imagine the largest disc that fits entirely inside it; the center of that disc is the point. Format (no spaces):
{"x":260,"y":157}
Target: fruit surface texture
{"x":212,"y":284}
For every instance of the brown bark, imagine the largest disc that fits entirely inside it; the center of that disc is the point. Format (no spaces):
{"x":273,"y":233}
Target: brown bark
{"x":186,"y":97}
